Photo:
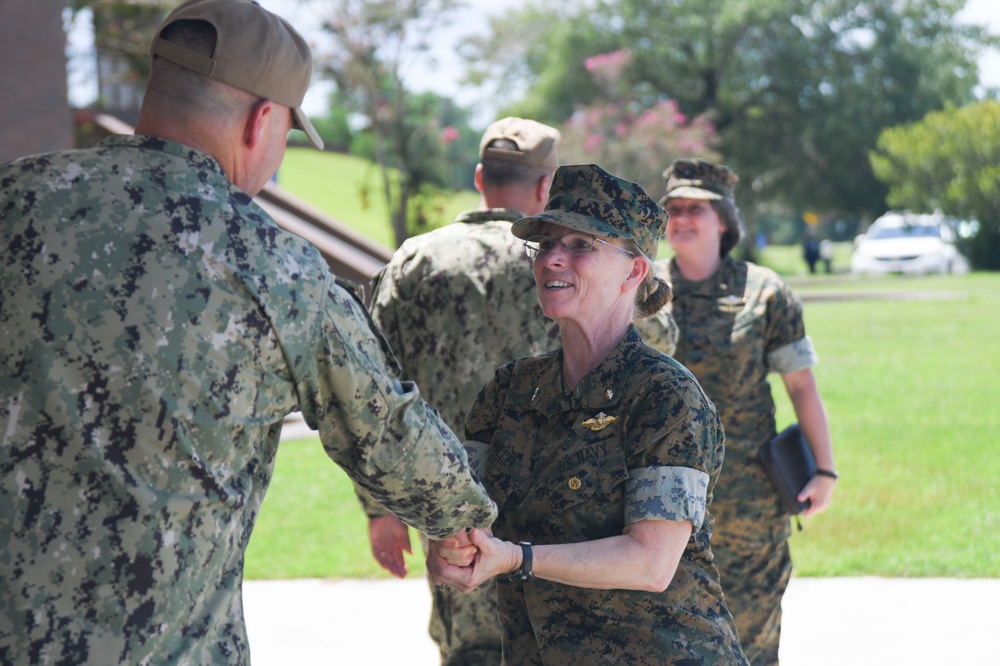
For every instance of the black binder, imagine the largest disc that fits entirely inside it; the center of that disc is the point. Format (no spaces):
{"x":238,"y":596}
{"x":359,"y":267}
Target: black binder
{"x":790,"y":465}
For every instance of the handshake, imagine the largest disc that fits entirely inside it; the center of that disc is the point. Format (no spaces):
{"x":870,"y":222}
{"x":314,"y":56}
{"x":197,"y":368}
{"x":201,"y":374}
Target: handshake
{"x":468,"y":558}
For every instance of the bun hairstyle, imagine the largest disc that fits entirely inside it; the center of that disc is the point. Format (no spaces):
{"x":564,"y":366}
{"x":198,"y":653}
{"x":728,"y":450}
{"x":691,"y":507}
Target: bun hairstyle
{"x":651,"y":296}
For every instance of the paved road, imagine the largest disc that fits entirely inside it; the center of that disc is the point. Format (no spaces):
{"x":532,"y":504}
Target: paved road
{"x":828,"y":622}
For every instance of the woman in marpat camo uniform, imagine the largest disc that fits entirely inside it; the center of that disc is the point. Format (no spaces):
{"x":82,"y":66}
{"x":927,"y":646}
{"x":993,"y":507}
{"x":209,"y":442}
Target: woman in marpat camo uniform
{"x":602,"y":456}
{"x":738,"y":322}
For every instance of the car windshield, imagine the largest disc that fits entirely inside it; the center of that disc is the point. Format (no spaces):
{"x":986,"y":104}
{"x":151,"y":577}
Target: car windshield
{"x":907,"y":231}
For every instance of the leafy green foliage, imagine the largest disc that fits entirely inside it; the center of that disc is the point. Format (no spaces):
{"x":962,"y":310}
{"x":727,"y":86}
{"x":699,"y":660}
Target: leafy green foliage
{"x":412,"y":137}
{"x":798,"y":90}
{"x":126,"y":28}
{"x":625,"y":137}
{"x":949,"y":160}
{"x":334,"y":129}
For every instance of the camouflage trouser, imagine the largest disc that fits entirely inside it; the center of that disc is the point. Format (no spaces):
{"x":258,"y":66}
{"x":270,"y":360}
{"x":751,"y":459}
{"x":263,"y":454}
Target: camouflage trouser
{"x":465,"y":626}
{"x":755,"y":567}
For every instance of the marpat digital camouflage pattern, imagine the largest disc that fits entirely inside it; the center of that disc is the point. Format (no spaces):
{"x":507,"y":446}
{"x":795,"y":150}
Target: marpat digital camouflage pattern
{"x":454,"y":304}
{"x":735,"y":328}
{"x":157,"y":328}
{"x":587,"y":198}
{"x":637,"y":439}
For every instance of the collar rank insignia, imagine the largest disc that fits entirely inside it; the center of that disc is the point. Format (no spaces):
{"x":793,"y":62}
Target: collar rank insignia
{"x":608,"y":394}
{"x":731,"y":303}
{"x":535,"y":394}
{"x":599,"y":422}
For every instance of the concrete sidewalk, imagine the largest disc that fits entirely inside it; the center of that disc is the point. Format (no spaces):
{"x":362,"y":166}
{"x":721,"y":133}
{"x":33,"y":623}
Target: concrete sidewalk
{"x":827,"y":622}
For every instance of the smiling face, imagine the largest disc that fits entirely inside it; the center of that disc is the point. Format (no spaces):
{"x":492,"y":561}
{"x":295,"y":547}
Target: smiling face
{"x":694,"y":228}
{"x":590,"y":289}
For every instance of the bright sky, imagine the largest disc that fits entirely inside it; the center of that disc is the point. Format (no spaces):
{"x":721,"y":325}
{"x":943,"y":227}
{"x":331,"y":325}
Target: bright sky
{"x":444,"y":78}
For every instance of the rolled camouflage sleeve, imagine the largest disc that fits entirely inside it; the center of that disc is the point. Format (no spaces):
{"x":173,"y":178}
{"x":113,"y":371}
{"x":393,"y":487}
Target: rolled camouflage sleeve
{"x":666,"y":493}
{"x":794,"y":356}
{"x":379,"y":429}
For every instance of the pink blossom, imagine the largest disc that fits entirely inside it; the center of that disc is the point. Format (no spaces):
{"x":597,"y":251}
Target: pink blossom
{"x":592,"y":143}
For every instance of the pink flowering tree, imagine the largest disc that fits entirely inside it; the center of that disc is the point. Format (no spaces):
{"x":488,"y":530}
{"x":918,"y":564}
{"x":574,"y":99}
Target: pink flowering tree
{"x":631,"y":137}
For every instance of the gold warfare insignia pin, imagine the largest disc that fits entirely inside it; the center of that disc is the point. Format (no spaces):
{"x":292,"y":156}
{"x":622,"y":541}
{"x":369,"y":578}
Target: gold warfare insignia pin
{"x":599,"y":422}
{"x":731,"y":303}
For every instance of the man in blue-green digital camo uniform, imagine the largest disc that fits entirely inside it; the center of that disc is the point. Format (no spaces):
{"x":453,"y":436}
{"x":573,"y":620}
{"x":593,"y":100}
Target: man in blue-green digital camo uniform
{"x":157,"y":328}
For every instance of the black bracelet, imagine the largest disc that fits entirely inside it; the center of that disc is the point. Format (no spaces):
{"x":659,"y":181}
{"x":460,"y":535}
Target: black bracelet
{"x":826,"y":472}
{"x":523,"y":573}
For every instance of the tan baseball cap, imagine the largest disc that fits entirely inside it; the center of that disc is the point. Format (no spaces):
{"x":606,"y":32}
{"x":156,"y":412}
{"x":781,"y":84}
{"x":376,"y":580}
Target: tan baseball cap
{"x":536,"y":143}
{"x":255,"y":51}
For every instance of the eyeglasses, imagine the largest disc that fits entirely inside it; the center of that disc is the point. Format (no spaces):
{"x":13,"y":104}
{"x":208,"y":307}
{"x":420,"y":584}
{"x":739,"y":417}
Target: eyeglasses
{"x":572,"y":243}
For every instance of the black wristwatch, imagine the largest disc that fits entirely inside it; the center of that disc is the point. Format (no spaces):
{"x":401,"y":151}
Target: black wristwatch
{"x":524,"y":573}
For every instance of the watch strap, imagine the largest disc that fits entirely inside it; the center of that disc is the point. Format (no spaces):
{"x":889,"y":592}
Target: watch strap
{"x":524,"y":572}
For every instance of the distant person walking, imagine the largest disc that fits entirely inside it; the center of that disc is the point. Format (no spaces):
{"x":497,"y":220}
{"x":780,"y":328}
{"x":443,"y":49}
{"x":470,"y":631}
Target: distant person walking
{"x":158,"y":326}
{"x":454,"y":304}
{"x":738,"y":323}
{"x":810,"y":250}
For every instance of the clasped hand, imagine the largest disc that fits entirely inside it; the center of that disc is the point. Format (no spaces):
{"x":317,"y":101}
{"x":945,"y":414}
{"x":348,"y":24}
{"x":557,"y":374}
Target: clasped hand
{"x":467,"y":559}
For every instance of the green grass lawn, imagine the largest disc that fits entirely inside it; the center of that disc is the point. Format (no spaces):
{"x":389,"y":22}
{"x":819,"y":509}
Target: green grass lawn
{"x":350,"y":189}
{"x":911,"y":390}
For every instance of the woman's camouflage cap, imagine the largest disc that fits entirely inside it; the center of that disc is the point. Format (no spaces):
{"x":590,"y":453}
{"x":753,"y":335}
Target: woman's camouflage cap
{"x":693,"y":178}
{"x":587,"y":198}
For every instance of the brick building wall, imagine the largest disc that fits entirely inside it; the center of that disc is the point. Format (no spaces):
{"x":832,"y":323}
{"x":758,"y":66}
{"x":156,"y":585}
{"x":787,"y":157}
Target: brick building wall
{"x":34,"y":112}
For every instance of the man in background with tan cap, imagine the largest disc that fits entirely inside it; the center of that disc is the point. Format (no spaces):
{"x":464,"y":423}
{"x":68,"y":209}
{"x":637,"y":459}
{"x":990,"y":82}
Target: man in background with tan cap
{"x":454,"y":304}
{"x":158,"y":326}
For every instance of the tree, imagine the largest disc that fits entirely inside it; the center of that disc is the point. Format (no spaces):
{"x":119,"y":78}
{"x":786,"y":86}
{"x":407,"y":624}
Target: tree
{"x":374,"y":40}
{"x":123,"y":30}
{"x":798,"y":90}
{"x":949,"y":161}
{"x":626,"y":137}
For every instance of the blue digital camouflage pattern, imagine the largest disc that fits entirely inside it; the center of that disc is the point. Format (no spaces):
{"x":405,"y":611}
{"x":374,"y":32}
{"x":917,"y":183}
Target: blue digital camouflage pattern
{"x":735,"y":328}
{"x":157,"y":328}
{"x":653,"y":451}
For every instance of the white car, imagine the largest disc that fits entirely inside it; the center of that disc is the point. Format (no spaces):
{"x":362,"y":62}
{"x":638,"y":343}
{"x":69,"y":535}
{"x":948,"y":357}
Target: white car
{"x":905,"y":242}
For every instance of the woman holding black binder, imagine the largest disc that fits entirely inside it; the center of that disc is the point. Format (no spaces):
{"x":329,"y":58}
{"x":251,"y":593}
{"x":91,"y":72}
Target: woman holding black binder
{"x":739,"y":322}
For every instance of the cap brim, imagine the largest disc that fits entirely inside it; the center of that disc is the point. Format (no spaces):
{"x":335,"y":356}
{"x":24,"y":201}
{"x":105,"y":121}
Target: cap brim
{"x":302,"y":123}
{"x":527,"y":227}
{"x":691,"y":192}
